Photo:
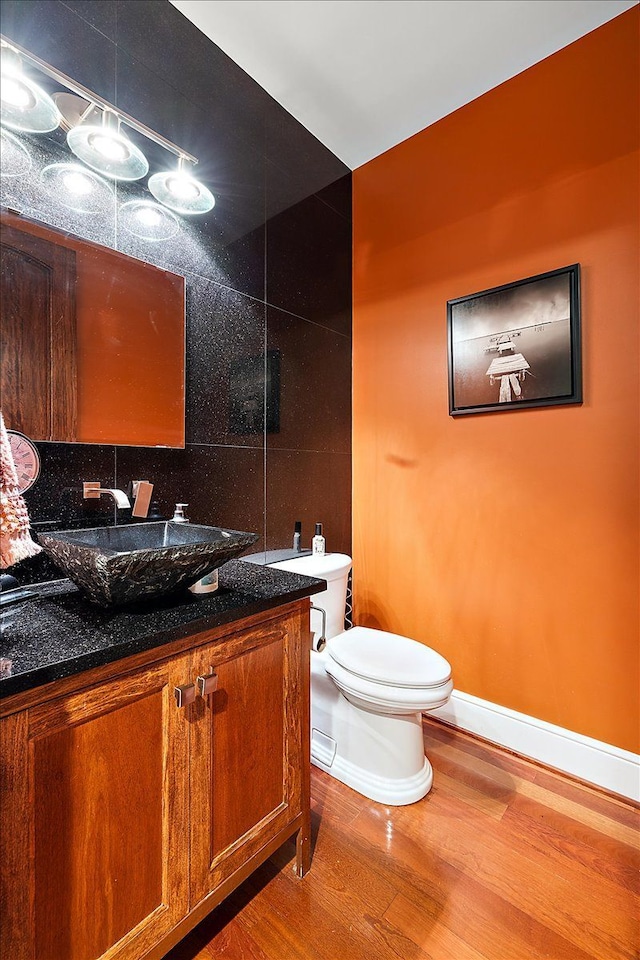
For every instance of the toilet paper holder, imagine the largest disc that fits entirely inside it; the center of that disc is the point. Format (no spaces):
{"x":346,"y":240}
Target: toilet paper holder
{"x":321,"y":643}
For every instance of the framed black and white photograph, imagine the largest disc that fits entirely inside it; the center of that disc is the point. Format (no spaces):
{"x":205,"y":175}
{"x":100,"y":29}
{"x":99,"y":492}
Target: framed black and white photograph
{"x":254,"y":394}
{"x":517,"y":345}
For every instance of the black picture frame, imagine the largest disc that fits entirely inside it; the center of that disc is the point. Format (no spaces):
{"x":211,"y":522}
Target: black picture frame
{"x":254,"y":394}
{"x":516,"y":346}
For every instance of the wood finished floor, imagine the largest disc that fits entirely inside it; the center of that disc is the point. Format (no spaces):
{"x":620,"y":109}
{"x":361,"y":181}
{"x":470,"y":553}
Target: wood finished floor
{"x":503,"y":860}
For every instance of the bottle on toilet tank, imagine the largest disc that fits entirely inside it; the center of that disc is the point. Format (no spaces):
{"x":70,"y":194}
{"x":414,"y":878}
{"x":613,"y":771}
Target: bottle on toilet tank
{"x":318,"y":543}
{"x":297,"y":534}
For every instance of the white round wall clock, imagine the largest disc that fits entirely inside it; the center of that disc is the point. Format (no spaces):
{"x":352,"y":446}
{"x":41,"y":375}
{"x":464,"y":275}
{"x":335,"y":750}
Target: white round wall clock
{"x":26,"y":459}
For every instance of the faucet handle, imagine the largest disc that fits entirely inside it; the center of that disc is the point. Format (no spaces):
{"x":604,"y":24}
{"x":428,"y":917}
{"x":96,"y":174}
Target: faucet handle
{"x":91,"y":490}
{"x":142,"y":491}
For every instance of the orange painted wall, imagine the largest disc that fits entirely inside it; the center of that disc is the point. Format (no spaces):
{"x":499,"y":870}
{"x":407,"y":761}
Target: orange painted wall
{"x":508,"y":541}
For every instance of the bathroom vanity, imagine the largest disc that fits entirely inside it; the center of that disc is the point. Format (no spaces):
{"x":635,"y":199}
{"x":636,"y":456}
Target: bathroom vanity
{"x":152,"y":757}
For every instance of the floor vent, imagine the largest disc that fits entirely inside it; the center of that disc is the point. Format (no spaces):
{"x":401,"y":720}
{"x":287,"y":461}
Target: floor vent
{"x":323,"y":748}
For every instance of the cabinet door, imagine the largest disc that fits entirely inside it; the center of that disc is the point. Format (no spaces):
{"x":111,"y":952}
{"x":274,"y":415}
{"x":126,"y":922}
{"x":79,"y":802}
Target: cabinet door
{"x":103,"y":837}
{"x":246,"y":750}
{"x":38,"y":321}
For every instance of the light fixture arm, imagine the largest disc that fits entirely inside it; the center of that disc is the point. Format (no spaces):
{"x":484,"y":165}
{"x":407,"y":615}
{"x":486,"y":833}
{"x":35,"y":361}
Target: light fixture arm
{"x":95,"y":99}
{"x":106,"y":121}
{"x":87,"y":112}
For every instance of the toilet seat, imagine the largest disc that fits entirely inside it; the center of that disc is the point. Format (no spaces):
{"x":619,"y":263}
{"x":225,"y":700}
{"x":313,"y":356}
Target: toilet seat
{"x":388,"y":673}
{"x":384,"y":697}
{"x":388,"y":659}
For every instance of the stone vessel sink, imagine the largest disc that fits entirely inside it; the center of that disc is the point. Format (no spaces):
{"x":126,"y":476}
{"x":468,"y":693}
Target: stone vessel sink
{"x":141,"y":561}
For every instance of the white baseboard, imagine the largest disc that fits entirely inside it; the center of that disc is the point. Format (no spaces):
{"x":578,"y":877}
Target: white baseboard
{"x":592,"y":760}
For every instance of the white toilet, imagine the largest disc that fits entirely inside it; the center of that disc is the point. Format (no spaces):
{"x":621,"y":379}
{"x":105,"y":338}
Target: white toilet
{"x":368,"y":691}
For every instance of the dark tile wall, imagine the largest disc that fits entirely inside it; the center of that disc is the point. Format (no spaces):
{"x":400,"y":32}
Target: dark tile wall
{"x":268,"y":274}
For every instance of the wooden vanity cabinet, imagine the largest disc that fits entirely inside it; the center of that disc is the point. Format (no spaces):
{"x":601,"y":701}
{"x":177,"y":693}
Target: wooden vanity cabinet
{"x":125,"y":817}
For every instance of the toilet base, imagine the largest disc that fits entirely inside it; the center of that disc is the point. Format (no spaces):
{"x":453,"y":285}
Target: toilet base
{"x":393,"y":793}
{"x":379,"y":755}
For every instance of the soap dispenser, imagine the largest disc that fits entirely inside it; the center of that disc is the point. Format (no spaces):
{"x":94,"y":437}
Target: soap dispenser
{"x":178,"y":514}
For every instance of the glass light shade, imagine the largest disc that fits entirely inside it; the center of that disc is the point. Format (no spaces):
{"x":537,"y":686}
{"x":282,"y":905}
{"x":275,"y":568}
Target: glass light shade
{"x":25,"y":106}
{"x":180,"y":192}
{"x":148,"y":220}
{"x":15,"y":159}
{"x":108,"y":151}
{"x":76,"y":187}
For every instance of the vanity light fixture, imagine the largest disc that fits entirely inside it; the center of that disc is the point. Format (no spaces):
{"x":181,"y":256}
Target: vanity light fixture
{"x":76,"y":187}
{"x":101,"y":145}
{"x":181,"y":192}
{"x":104,"y":148}
{"x":148,"y":220}
{"x":24,"y":105}
{"x":15,"y":159}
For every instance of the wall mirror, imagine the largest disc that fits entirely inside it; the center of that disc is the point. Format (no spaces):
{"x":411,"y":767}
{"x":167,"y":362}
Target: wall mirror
{"x":93,"y":341}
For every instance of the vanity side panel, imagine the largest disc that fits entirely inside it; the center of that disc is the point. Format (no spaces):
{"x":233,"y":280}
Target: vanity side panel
{"x":299,"y":720}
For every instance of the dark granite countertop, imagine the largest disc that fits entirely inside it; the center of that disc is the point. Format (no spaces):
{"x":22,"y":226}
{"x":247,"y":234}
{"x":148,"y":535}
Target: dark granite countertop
{"x":58,"y":633}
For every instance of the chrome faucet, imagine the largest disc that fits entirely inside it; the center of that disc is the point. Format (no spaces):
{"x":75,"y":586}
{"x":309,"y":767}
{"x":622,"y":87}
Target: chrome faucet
{"x":93,"y":491}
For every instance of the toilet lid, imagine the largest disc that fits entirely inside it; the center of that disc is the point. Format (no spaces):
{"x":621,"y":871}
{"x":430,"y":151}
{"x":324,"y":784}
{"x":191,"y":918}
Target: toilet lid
{"x":388,"y":658}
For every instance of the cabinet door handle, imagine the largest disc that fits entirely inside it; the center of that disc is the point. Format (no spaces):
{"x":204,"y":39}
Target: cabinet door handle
{"x":207,"y":685}
{"x":185,"y":694}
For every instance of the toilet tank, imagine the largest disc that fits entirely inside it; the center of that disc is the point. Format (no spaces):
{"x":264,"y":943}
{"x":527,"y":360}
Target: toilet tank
{"x":334,"y":568}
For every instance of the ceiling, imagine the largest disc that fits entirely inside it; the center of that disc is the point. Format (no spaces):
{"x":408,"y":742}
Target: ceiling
{"x":363,"y":75}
